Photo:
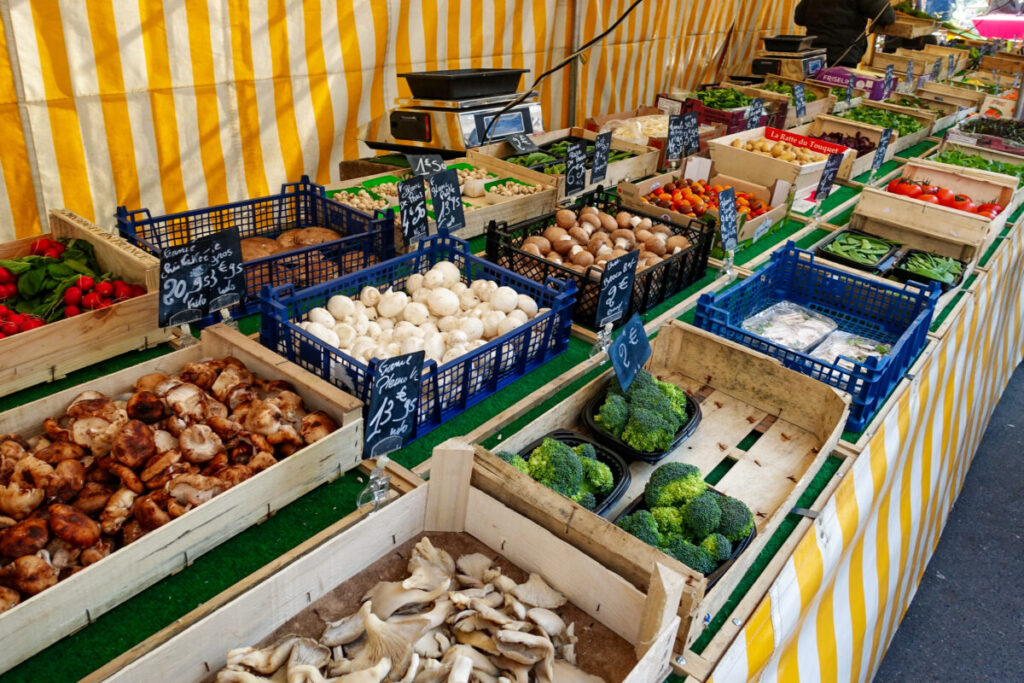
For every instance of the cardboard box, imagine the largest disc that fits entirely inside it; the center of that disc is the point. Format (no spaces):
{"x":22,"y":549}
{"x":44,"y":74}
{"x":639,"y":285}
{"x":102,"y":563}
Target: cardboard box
{"x":862,"y":80}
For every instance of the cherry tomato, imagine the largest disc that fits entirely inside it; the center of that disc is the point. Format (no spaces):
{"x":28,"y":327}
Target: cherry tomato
{"x":929,"y":189}
{"x":996,"y":208}
{"x":945,"y":196}
{"x":928,"y":197}
{"x":963,"y":203}
{"x":908,"y":189}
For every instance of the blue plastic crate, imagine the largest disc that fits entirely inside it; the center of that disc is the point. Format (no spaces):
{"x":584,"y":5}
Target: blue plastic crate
{"x":891,"y":314}
{"x":364,"y":240}
{"x":446,"y":390}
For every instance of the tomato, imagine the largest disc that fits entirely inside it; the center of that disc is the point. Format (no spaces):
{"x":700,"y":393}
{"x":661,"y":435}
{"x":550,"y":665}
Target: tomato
{"x":893,"y":184}
{"x":963,"y":203}
{"x":929,"y":189}
{"x":988,"y":214}
{"x":908,"y":189}
{"x":996,"y":208}
{"x":945,"y":196}
{"x":928,"y":197}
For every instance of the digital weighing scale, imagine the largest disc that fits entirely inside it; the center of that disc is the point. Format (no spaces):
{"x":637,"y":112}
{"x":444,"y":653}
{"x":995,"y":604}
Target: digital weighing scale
{"x":451,"y":110}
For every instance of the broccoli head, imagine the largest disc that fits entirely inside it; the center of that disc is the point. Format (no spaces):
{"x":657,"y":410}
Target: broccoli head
{"x":645,"y":393}
{"x":514,"y":460}
{"x":642,"y":525}
{"x":676,"y":397}
{"x":649,"y":430}
{"x":701,"y":515}
{"x":718,"y":546}
{"x":555,"y":465}
{"x":670,"y":519}
{"x":613,"y":414}
{"x":586,"y":498}
{"x":693,"y":556}
{"x":674,"y":483}
{"x":597,"y":477}
{"x":736,"y":519}
{"x":585,"y":450}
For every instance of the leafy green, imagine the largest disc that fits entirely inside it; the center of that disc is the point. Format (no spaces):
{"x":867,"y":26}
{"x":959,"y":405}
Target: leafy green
{"x":902,"y":123}
{"x":722,"y":98}
{"x":959,"y":158}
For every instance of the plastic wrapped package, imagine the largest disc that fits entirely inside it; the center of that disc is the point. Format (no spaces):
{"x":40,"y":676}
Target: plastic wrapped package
{"x":790,"y":325}
{"x":639,"y":128}
{"x":847,"y":345}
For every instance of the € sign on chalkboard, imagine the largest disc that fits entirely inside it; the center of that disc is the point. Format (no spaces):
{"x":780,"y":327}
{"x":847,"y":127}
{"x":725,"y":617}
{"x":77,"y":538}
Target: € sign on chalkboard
{"x":425,"y":164}
{"x":412,"y":202}
{"x":727,"y":217}
{"x":521,"y":143}
{"x":629,"y":351}
{"x":800,"y":100}
{"x":616,"y":288}
{"x":394,"y":399}
{"x":200,"y":277}
{"x":449,"y":214}
{"x":576,"y":168}
{"x":602,"y":148}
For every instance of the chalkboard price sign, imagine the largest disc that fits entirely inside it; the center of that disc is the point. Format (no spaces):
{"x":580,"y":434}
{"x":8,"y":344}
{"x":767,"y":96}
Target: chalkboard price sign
{"x":425,"y":164}
{"x":910,"y":71}
{"x":629,"y":351}
{"x":937,"y":69}
{"x":201,"y":277}
{"x":755,"y":113}
{"x":521,"y":143}
{"x":890,"y":75}
{"x":691,"y":133}
{"x":602,"y":148}
{"x":828,"y":177}
{"x":727,"y":218}
{"x":616,"y":288}
{"x":412,"y":200}
{"x":881,"y":149}
{"x":952,"y":65}
{"x":576,"y":168}
{"x":675,"y":143}
{"x":394,"y":400}
{"x":448,"y":210}
{"x":849,"y":87}
{"x":800,"y":100}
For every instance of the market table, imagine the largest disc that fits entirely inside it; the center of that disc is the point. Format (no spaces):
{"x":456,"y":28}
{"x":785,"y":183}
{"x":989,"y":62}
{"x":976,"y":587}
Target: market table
{"x":826,"y":594}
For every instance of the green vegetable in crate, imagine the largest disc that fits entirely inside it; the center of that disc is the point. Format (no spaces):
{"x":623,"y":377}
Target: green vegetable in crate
{"x":555,"y":169}
{"x":701,"y":515}
{"x":642,"y":525}
{"x":959,"y":158}
{"x":515,"y":460}
{"x":693,"y":556}
{"x":868,"y":251}
{"x":531,"y":159}
{"x":933,"y":266}
{"x":908,"y":9}
{"x":737,"y":521}
{"x":673,"y":484}
{"x":718,"y":546}
{"x":613,"y":414}
{"x":573,"y":472}
{"x":669,"y":518}
{"x":913,"y":102}
{"x":787,"y":89}
{"x":722,"y":98}
{"x":902,"y":123}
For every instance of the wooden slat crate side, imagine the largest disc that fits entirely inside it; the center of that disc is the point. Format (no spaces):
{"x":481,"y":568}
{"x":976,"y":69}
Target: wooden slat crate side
{"x":113,"y":252}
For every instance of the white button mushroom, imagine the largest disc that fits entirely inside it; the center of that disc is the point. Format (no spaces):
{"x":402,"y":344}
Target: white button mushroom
{"x":403,"y":330}
{"x":491,"y":320}
{"x":459,"y":288}
{"x":443,"y":302}
{"x":518,"y":316}
{"x":357,"y":308}
{"x":369,"y":296}
{"x":421,"y":295}
{"x":412,"y":344}
{"x":323,"y":333}
{"x":449,"y":271}
{"x":363,"y":345}
{"x":507,"y":325}
{"x":429,"y":327}
{"x":415,"y":313}
{"x":414,"y":282}
{"x":340,"y":306}
{"x":371,"y":313}
{"x":373,"y":330}
{"x":504,"y":299}
{"x":434,"y":347}
{"x":468,"y":300}
{"x":453,"y":353}
{"x":361,"y":323}
{"x":473,"y":328}
{"x":346,"y":334}
{"x":393,"y":349}
{"x":386,"y":323}
{"x":457,"y":338}
{"x":433,"y":279}
{"x":479,"y":287}
{"x":320,"y":315}
{"x":527,"y":305}
{"x":447,"y":323}
{"x":392,"y":304}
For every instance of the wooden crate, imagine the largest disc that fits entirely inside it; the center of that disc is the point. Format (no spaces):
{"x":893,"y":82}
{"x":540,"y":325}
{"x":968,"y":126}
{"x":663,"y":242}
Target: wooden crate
{"x":953,"y":94}
{"x":948,"y":224}
{"x":1001,"y":179}
{"x":822,"y":105}
{"x":707,"y":131}
{"x":764,"y":170}
{"x":961,"y":55}
{"x":1007,"y":62}
{"x":836,"y":124}
{"x":78,"y":600}
{"x":482,"y":211}
{"x":926,"y":119}
{"x":798,"y":421}
{"x":643,"y":164}
{"x":907,"y":26}
{"x":462,"y":496}
{"x":983,"y":152}
{"x":946,"y":113}
{"x":52,"y":351}
{"x":928,"y":60}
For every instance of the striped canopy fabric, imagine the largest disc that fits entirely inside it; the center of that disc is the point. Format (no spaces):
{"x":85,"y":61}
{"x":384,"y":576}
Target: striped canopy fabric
{"x":186,"y":103}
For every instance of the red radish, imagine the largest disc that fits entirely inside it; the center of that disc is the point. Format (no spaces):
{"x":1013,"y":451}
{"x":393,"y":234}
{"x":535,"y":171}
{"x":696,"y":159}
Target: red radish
{"x":122,"y":291}
{"x":72,"y":296}
{"x":3,"y":336}
{"x":4,"y":310}
{"x":5,"y":276}
{"x":51,"y":253}
{"x":104,"y":289}
{"x":31,"y":323}
{"x":84,"y":283}
{"x":91,"y":300}
{"x":39,"y":246}
{"x":71,"y":311}
{"x":8,"y":327}
{"x":138,"y":290}
{"x":58,"y":246}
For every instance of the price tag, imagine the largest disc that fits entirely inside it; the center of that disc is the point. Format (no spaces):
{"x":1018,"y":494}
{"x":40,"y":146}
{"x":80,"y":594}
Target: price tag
{"x":616,"y":288}
{"x":201,"y":277}
{"x":412,"y":201}
{"x":828,"y":177}
{"x":576,"y":168}
{"x":602,"y":148}
{"x":883,"y":147}
{"x":691,"y":133}
{"x":800,"y":100}
{"x":952,"y":65}
{"x":727,"y":218}
{"x":849,"y":88}
{"x":675,"y":144}
{"x":629,"y":351}
{"x":910,"y":72}
{"x":425,"y":164}
{"x":755,"y":113}
{"x":394,"y":400}
{"x":936,"y":69}
{"x":762,"y":230}
{"x":448,"y":211}
{"x":521,"y":143}
{"x":890,"y":75}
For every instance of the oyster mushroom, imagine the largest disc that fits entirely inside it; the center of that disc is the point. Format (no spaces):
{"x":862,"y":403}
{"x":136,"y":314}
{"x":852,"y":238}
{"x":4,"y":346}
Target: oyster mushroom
{"x":67,"y":480}
{"x":564,"y":672}
{"x":8,"y":598}
{"x":116,"y":512}
{"x":347,"y":629}
{"x":27,"y":537}
{"x":550,"y":623}
{"x":72,"y":525}
{"x":392,"y":641}
{"x":477,"y":639}
{"x":306,"y":652}
{"x":265,"y":660}
{"x":428,"y":566}
{"x":526,"y":648}
{"x":480,"y":661}
{"x":473,"y":566}
{"x":537,"y":593}
{"x":374,"y":674}
{"x":316,"y":425}
{"x":462,"y":667}
{"x":29,"y":574}
{"x":389,"y":597}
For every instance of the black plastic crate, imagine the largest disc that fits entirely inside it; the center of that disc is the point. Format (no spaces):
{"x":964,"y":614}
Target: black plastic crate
{"x":364,"y":240}
{"x":788,"y":43}
{"x":458,"y":84}
{"x":880,"y":267}
{"x":592,"y":407}
{"x":618,"y":466}
{"x":652,"y":285}
{"x":900,"y":274}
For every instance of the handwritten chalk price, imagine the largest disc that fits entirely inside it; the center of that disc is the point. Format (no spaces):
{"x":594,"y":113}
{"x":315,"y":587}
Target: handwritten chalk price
{"x":629,"y":351}
{"x":576,"y":168}
{"x":201,"y":277}
{"x":616,"y":288}
{"x":412,"y":201}
{"x":602,"y":148}
{"x":448,"y":210}
{"x":394,"y":399}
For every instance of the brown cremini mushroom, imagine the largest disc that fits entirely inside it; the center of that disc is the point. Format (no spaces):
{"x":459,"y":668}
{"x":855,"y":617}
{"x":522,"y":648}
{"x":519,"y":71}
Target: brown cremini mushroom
{"x":150,"y":510}
{"x":67,"y":480}
{"x":27,"y":537}
{"x":72,"y":525}
{"x":565,"y":218}
{"x":29,"y":574}
{"x":116,"y":512}
{"x":676,"y":243}
{"x":134,"y":444}
{"x":623,"y":239}
{"x":317,"y":425}
{"x":198,"y":443}
{"x":146,"y":406}
{"x":126,"y":475}
{"x":93,"y":497}
{"x":58,"y":451}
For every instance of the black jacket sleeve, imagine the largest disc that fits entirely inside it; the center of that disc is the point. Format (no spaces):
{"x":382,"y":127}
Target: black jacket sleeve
{"x":871,"y":8}
{"x":800,"y":13}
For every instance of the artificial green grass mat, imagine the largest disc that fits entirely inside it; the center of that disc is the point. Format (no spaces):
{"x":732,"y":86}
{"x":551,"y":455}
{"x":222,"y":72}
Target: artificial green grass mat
{"x":811,"y":238}
{"x":917,"y":150}
{"x":834,"y":200}
{"x":768,"y":242}
{"x":887,"y":167}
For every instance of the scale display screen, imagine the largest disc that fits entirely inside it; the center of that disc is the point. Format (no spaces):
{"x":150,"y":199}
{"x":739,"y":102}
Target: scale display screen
{"x":516,"y":121}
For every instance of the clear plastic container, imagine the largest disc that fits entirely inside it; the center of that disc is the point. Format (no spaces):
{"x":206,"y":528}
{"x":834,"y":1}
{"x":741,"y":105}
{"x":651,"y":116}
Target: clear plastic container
{"x":790,"y":325}
{"x":849,"y":346}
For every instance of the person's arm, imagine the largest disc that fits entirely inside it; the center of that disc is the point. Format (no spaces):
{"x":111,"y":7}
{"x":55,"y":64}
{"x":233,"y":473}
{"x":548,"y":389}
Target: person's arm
{"x":800,"y":13}
{"x":870,"y":9}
